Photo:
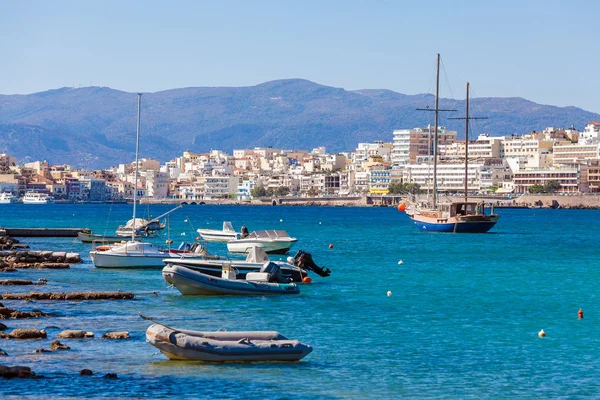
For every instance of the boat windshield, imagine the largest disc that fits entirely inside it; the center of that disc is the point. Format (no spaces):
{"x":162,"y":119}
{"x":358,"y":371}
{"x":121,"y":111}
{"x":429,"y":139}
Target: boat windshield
{"x":268,"y":234}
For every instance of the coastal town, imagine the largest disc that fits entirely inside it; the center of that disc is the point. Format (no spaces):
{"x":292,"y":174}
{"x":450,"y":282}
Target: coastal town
{"x":555,"y":160}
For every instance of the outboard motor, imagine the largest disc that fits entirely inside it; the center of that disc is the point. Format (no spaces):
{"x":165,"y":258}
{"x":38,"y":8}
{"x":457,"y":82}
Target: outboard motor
{"x":304,"y":260}
{"x":275,"y":274}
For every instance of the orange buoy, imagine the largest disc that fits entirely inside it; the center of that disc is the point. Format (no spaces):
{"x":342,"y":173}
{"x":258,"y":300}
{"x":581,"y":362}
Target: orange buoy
{"x":306,"y":279}
{"x":198,"y":238}
{"x":580,"y":314}
{"x":402,"y":207}
{"x":331,"y":246}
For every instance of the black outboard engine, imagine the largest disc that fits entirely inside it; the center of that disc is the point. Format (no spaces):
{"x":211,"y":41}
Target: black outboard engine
{"x":275,"y":274}
{"x":304,"y":260}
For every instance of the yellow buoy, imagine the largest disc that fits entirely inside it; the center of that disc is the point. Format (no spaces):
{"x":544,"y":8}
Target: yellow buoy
{"x":542,"y":333}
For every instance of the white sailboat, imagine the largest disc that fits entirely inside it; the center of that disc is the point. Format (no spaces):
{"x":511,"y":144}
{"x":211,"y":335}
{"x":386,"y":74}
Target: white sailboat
{"x":134,"y":253}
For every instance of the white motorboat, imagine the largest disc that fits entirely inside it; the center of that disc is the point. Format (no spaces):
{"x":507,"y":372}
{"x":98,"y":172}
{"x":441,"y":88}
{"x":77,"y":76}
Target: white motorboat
{"x":224,"y":235}
{"x":33,"y":197}
{"x":269,"y":281}
{"x":7,"y":198}
{"x":136,"y":254}
{"x":272,"y":242}
{"x":296,"y":267}
{"x":224,"y":346}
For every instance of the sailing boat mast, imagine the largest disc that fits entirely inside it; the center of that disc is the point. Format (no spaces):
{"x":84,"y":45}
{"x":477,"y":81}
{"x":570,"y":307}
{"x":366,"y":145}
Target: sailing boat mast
{"x":467,"y":144}
{"x":137,"y":147}
{"x":435,"y":129}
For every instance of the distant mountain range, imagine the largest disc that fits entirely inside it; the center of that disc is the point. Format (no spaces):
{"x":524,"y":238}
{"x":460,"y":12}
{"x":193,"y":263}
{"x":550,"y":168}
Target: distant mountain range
{"x":94,"y":127}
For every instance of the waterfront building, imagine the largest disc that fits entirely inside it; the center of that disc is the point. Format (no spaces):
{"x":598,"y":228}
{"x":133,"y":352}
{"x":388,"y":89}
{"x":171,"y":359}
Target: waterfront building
{"x":410,"y":146}
{"x":484,"y":147}
{"x":568,"y":177}
{"x":6,"y":163}
{"x":157,"y":184}
{"x":364,"y":151}
{"x":450,"y":176}
{"x":379,"y":179}
{"x":590,"y":177}
{"x":591,"y":131}
{"x":566,"y":152}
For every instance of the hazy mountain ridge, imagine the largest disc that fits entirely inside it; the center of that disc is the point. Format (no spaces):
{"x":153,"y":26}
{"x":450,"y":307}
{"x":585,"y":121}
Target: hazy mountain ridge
{"x":95,"y":126}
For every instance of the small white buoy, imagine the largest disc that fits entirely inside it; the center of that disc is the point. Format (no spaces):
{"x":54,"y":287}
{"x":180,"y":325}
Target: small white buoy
{"x":541,"y":333}
{"x":400,"y":262}
{"x":280,"y":220}
{"x":182,"y":233}
{"x":389,"y":293}
{"x":185,"y":220}
{"x":319,"y":222}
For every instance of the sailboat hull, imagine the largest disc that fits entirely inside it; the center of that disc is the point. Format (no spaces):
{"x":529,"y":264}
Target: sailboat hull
{"x":481,"y":226}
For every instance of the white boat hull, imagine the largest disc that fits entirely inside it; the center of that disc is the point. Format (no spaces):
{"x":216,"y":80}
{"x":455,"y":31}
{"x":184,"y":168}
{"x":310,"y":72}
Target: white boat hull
{"x":211,"y":235}
{"x":276,"y":246}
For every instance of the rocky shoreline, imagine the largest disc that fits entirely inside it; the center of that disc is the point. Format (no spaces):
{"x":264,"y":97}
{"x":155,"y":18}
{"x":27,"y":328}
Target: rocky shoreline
{"x":13,"y":256}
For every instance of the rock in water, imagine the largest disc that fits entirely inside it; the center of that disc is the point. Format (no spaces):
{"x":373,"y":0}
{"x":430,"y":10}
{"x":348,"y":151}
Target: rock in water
{"x":28,"y":333}
{"x":16,"y":372}
{"x":74,"y":334}
{"x":86,"y":372}
{"x":116,"y":335}
{"x":56,"y":345}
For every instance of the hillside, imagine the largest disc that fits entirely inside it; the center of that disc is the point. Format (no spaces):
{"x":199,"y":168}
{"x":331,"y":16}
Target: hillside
{"x":94,"y":127}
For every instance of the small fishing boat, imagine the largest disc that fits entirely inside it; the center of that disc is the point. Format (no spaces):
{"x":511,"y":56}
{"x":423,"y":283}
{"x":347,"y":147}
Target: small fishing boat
{"x":272,"y":242}
{"x":296,"y":267}
{"x":224,"y":235}
{"x":268,"y":281}
{"x":224,"y":346}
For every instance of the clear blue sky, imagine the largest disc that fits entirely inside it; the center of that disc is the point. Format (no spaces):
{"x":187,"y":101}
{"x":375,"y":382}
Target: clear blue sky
{"x":547,"y":51}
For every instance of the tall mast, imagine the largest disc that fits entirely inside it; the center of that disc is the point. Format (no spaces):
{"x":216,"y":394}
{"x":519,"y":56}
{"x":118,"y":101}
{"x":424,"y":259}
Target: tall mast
{"x":436,"y":110}
{"x":467,"y":118}
{"x":467,"y":144}
{"x":435,"y":129}
{"x":137,"y":147}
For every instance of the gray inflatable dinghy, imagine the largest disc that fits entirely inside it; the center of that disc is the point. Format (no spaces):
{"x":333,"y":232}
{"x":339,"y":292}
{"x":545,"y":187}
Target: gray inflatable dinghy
{"x":223,"y":346}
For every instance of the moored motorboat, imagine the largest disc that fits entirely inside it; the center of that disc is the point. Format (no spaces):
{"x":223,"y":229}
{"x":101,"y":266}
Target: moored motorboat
{"x":33,"y":197}
{"x":271,"y":241}
{"x":269,"y":281}
{"x":225,"y":346}
{"x":296,"y":267}
{"x":215,"y":235}
{"x":85,"y":237}
{"x":7,"y":198}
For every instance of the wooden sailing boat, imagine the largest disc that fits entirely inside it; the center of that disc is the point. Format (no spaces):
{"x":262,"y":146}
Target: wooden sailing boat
{"x":458,"y":217}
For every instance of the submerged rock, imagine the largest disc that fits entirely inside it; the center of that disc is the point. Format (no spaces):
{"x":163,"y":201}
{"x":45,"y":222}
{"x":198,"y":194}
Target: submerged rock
{"x":86,"y":372}
{"x":16,"y":372}
{"x":28,"y":333}
{"x":10,"y":282}
{"x":3,"y":327}
{"x":56,"y":345}
{"x":116,"y":335}
{"x":111,"y":375}
{"x":67,"y":296}
{"x":9,"y":313}
{"x":3,"y":353}
{"x":75,"y":334}
{"x":42,"y":351}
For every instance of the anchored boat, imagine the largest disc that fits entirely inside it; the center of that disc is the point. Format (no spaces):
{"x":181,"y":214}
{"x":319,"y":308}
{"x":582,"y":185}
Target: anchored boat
{"x":224,"y":346}
{"x":268,"y":281}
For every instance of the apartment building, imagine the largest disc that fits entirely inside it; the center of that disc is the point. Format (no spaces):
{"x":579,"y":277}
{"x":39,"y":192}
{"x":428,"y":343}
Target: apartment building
{"x":411,"y":145}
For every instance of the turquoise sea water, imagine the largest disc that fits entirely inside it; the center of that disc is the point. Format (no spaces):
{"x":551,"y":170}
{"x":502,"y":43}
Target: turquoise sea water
{"x":462,"y":320}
